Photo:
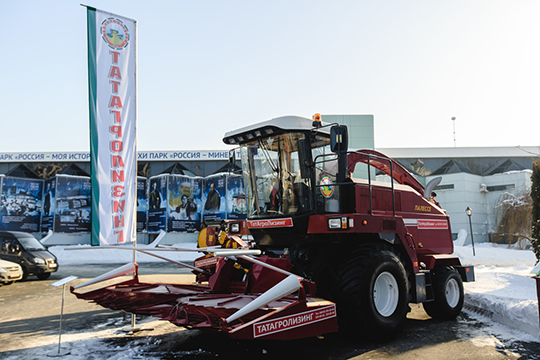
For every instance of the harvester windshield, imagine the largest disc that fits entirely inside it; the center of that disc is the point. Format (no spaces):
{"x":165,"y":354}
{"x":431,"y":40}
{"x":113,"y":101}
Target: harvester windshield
{"x":278,"y":174}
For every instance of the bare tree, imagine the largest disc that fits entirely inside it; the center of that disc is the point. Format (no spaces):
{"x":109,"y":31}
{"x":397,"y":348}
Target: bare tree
{"x":535,"y":218}
{"x":513,"y":215}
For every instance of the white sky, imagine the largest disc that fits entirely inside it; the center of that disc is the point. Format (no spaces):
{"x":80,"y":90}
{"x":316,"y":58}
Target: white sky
{"x":206,"y":67}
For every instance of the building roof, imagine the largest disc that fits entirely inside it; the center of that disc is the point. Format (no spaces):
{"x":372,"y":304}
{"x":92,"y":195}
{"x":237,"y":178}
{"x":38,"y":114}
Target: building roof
{"x":462,"y":152}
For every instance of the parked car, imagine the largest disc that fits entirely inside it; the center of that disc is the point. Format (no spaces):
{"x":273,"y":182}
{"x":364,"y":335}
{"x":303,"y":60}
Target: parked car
{"x":10,"y":272}
{"x":24,"y":249}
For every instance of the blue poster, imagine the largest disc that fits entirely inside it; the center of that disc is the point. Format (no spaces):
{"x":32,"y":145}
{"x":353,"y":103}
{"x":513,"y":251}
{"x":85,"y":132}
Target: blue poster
{"x":49,"y":205}
{"x":236,"y":198}
{"x":214,"y":199}
{"x":184,"y":203}
{"x":142,"y":203}
{"x":73,"y":204}
{"x":20,"y":207}
{"x":157,"y":204}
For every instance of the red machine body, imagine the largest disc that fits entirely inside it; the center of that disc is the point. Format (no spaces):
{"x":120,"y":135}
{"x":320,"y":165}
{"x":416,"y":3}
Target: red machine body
{"x":338,"y":237}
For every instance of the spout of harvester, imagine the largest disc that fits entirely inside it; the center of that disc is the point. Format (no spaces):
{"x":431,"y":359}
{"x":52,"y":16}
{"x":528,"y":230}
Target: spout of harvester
{"x":127,"y":269}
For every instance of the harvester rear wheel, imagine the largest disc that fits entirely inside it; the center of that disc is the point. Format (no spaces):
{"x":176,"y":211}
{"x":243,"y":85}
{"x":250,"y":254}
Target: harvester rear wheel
{"x":374,"y":293}
{"x":448,"y":294}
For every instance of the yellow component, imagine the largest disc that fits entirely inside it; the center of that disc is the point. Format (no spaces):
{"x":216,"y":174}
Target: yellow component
{"x":222,"y":237}
{"x":237,"y":266}
{"x":317,"y":117}
{"x":201,"y":239}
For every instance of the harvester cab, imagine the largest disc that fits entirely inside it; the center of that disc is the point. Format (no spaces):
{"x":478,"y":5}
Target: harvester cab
{"x":291,"y":169}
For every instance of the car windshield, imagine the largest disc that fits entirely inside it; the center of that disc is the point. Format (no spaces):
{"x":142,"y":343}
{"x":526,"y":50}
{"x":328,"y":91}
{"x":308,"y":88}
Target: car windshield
{"x":30,"y":243}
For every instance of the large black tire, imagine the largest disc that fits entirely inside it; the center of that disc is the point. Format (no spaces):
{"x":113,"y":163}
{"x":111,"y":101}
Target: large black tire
{"x":374,"y":293}
{"x":43,"y":276}
{"x":447,"y":292}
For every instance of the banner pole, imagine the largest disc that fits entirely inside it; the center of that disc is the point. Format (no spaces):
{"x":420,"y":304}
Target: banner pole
{"x":134,"y":327}
{"x":133,"y":318}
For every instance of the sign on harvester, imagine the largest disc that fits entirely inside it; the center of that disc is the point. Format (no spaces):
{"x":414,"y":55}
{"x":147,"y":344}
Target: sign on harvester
{"x":432,"y":224}
{"x":293,"y":321}
{"x":259,"y":224}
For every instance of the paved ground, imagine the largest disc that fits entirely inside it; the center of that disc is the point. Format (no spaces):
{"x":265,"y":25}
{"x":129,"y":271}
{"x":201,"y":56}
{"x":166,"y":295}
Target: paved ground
{"x":30,"y":317}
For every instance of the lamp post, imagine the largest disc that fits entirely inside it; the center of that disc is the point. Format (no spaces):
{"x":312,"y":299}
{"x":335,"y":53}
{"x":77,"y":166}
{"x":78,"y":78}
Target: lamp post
{"x":468,"y":211}
{"x":454,"y":123}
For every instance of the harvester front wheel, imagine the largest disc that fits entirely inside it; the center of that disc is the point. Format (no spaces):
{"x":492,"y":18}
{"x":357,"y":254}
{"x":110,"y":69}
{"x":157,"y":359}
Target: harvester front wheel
{"x":376,"y":296}
{"x":448,"y":294}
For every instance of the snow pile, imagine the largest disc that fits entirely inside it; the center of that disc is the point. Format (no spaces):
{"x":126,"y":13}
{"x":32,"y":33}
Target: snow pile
{"x":504,"y":289}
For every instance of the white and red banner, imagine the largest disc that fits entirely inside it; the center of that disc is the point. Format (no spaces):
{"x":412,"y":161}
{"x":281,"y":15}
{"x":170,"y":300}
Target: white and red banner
{"x":113,"y":124}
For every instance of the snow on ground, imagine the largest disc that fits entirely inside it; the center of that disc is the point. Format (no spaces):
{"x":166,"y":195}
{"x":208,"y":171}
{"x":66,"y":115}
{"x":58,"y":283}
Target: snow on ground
{"x":504,"y":289}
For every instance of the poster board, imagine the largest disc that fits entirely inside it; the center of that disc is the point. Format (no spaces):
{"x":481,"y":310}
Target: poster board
{"x":236,"y":198}
{"x":21,"y":204}
{"x":214,"y":198}
{"x":49,"y":205}
{"x":157,"y":203}
{"x":184,"y":203}
{"x":142,"y":204}
{"x":73,"y":204}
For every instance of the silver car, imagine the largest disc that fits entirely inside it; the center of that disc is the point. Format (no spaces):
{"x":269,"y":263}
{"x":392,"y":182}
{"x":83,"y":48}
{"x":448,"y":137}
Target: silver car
{"x":10,"y":272}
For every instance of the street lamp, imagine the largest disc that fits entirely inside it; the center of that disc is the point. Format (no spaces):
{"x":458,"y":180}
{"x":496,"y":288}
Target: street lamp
{"x":454,"y":123}
{"x":468,"y":211}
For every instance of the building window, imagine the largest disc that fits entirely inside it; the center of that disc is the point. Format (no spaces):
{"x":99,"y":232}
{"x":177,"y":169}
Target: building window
{"x":444,"y":187}
{"x":501,"y":187}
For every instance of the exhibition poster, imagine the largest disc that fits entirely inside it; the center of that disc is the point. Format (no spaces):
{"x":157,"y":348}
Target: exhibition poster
{"x":73,"y":204}
{"x":214,"y":199}
{"x":20,"y":208}
{"x":184,"y":203}
{"x":157,"y":203}
{"x":112,"y":102}
{"x":49,"y":205}
{"x":142,"y":203}
{"x":236,"y":198}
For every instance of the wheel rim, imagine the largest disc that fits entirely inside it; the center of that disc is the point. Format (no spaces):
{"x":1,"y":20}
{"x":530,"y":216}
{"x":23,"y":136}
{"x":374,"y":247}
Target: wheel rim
{"x":452,"y":293}
{"x":386,"y":294}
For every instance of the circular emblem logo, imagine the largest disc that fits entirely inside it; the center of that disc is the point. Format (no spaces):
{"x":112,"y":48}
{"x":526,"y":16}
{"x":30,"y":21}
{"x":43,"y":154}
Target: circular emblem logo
{"x":115,"y":33}
{"x":326,"y":189}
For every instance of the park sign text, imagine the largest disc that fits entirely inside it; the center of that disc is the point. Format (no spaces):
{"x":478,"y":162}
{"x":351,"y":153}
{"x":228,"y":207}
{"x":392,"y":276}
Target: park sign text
{"x":82,"y":156}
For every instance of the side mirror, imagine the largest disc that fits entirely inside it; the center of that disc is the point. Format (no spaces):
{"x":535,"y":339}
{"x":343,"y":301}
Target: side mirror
{"x":232,"y":160}
{"x":339,"y":139}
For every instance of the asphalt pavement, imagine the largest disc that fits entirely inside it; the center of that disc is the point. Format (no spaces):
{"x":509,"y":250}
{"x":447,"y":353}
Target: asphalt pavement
{"x":29,"y":325}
